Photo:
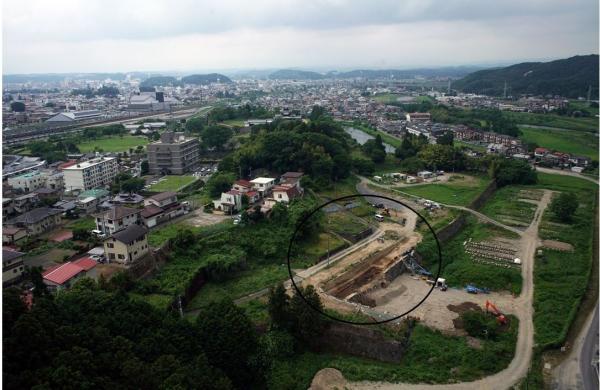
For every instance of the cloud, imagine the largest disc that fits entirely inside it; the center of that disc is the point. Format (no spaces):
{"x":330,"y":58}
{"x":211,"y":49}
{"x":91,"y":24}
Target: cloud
{"x":152,"y":35}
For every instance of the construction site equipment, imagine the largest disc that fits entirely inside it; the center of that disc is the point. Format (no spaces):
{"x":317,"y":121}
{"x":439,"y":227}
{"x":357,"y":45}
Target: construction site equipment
{"x":412,"y":264}
{"x":497,"y":313}
{"x":476,"y":290}
{"x":441,"y":283}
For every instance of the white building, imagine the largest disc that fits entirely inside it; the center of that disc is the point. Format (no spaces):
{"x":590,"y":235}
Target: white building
{"x":75,"y":116}
{"x":96,"y":173}
{"x":263,"y":184}
{"x":27,"y":182}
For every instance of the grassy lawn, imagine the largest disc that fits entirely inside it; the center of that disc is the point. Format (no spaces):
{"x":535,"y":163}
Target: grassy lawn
{"x":458,"y":267}
{"x":87,"y":223}
{"x":234,"y":122}
{"x":552,"y":120}
{"x":561,"y":278}
{"x":341,"y":188}
{"x":386,"y":98}
{"x":157,"y":237}
{"x":159,"y":301}
{"x":345,"y":223}
{"x":477,"y":148}
{"x":173,"y":183}
{"x":253,"y":279}
{"x":568,"y":141}
{"x":504,"y":206}
{"x":431,"y":357}
{"x":458,"y":192}
{"x":113,"y":144}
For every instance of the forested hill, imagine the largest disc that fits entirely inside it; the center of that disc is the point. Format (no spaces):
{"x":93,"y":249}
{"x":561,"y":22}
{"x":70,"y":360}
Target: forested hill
{"x":205,"y":79}
{"x":568,"y":77}
{"x":293,"y":74}
{"x":160,"y":81}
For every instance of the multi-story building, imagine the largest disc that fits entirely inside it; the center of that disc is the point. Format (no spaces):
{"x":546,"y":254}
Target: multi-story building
{"x":12,"y":266}
{"x":117,"y":218}
{"x":174,"y":154}
{"x":127,"y":245}
{"x":33,"y":180}
{"x":37,"y":221}
{"x":95,"y":173}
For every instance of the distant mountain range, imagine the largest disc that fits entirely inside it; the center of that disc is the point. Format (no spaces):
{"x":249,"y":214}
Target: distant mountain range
{"x":570,"y":77}
{"x":295,"y":74}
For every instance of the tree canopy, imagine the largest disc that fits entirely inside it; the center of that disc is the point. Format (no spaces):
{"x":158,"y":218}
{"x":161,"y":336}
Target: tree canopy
{"x":564,"y":206}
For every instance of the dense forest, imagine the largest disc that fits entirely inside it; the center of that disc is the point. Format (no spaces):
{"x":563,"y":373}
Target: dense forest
{"x":160,"y":81}
{"x":568,"y":77}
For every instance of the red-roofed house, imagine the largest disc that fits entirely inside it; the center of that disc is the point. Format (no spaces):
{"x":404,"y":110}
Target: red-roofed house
{"x":540,"y":152}
{"x":67,"y":164}
{"x":242,"y":186}
{"x":64,"y":275}
{"x":285,"y":194}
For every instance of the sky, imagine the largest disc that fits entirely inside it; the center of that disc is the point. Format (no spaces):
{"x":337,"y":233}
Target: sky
{"x":59,"y":36}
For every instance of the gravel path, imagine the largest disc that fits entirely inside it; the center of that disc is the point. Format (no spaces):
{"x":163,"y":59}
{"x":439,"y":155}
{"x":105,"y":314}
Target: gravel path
{"x":519,"y":366}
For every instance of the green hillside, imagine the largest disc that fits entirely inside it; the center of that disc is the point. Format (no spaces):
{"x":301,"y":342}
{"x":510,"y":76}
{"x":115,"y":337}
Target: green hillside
{"x":568,"y":77}
{"x":205,"y":79}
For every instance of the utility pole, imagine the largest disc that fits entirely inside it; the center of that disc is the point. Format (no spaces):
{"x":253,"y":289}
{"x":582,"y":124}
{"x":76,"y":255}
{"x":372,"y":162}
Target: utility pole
{"x":504,"y":90}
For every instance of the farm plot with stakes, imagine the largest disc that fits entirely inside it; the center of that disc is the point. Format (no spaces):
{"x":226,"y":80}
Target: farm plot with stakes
{"x":493,"y":253}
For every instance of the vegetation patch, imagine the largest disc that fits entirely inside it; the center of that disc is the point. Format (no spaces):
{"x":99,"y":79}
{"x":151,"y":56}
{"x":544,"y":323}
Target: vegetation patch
{"x":173,"y":183}
{"x":458,"y":267}
{"x":581,"y":143}
{"x":504,"y":206}
{"x":121,"y":143}
{"x":454,"y":193}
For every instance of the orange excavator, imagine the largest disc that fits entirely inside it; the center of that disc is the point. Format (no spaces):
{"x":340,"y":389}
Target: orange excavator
{"x":499,"y":316}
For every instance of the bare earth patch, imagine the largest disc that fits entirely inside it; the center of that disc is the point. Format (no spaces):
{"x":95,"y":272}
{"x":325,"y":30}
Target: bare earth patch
{"x":557,"y":245}
{"x":328,"y":379}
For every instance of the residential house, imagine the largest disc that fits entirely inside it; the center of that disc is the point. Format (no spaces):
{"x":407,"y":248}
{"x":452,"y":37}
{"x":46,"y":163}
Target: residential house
{"x":540,"y":152}
{"x":230,"y":202}
{"x":26,"y":202}
{"x":162,"y":199}
{"x":37,"y":221}
{"x":263,"y":185}
{"x":12,"y":266}
{"x":117,"y":218}
{"x":242,"y":186}
{"x":127,"y":245}
{"x":65,"y":275}
{"x":89,"y":201}
{"x":27,"y":182}
{"x":418,"y":117}
{"x":285,"y":194}
{"x":128,"y":199}
{"x":292,"y":179}
{"x":425,"y":174}
{"x":580,"y":161}
{"x":12,"y":235}
{"x":8,"y":208}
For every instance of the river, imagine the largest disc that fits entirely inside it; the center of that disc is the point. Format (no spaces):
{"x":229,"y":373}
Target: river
{"x":361,"y":137}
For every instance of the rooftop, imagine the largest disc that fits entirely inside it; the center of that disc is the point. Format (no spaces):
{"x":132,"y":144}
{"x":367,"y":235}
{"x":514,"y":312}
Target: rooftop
{"x":36,"y":215}
{"x":163,"y":195}
{"x":88,"y":163}
{"x":62,"y":273}
{"x":262,"y":180}
{"x":130,"y":234}
{"x":10,"y":255}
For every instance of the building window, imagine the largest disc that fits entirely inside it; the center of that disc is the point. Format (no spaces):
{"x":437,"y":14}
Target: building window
{"x":121,"y":257}
{"x":111,"y":256}
{"x":110,"y":245}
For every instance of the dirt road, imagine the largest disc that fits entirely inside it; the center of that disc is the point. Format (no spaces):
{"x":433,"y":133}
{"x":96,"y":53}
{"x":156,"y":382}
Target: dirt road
{"x":566,"y":173}
{"x":518,"y":367}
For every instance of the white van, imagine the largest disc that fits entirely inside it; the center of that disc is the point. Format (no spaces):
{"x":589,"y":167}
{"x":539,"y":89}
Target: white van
{"x":379,"y":217}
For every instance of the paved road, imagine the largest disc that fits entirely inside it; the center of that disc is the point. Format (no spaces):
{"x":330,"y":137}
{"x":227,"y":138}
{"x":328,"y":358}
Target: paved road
{"x":589,"y":356}
{"x":566,"y":173}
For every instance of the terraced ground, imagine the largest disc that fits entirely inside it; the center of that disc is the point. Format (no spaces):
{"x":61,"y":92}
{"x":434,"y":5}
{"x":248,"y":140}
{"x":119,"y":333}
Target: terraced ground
{"x":513,"y":205}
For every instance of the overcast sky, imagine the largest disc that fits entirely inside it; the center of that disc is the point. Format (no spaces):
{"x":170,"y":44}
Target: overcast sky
{"x":126,"y":35}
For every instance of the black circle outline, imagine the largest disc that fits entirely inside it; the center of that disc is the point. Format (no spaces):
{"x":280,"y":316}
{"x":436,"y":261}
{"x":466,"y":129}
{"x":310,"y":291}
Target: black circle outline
{"x":350,"y":197}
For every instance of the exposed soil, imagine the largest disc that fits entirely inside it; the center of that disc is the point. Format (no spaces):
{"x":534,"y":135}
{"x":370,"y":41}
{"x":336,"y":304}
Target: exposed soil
{"x":557,"y":245}
{"x":328,"y":379}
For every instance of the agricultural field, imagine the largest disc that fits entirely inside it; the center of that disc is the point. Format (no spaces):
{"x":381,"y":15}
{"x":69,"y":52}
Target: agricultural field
{"x":432,"y":357}
{"x":561,"y":278}
{"x":113,"y":144}
{"x":458,"y":267}
{"x":579,"y":143}
{"x":460,"y":191}
{"x":86,"y":223}
{"x":233,"y":122}
{"x":386,"y":98}
{"x":173,"y":183}
{"x":589,"y":124}
{"x":512,"y":205}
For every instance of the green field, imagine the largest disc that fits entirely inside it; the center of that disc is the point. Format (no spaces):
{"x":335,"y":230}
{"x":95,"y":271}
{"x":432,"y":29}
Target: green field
{"x":234,"y":122}
{"x":561,"y":278}
{"x":458,"y":267}
{"x":386,"y":98}
{"x":458,"y":193}
{"x":505,"y":206}
{"x":431,"y":357}
{"x":567,"y":141}
{"x":589,"y":124}
{"x":173,"y":183}
{"x":388,"y":139}
{"x":113,"y":144}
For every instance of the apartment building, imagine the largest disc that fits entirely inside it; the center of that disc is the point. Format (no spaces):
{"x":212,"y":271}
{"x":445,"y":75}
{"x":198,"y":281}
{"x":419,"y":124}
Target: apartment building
{"x":173,"y":154}
{"x":95,"y":173}
{"x":33,"y":180}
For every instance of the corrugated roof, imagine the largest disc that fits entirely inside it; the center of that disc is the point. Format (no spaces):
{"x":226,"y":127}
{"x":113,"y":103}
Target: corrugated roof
{"x":86,"y":263}
{"x":62,"y":273}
